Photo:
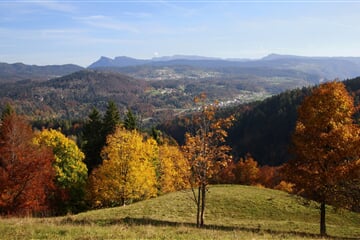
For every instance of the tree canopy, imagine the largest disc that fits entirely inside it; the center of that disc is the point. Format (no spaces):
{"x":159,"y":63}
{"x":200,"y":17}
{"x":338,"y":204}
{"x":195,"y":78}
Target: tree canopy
{"x":325,"y":146}
{"x":204,"y":148}
{"x":26,"y":172}
{"x":127,"y":172}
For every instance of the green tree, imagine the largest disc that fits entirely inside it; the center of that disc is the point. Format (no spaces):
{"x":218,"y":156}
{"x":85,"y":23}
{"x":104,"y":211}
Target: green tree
{"x":127,"y":172}
{"x":156,"y":135}
{"x":111,"y":119}
{"x":205,"y":150}
{"x":95,"y":132}
{"x":93,"y":140}
{"x":71,"y":171}
{"x":8,"y":110}
{"x":130,"y":121}
{"x":326,"y":147}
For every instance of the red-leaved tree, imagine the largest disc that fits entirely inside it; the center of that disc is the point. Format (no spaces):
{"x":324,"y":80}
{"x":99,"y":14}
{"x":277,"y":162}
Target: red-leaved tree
{"x":26,"y":172}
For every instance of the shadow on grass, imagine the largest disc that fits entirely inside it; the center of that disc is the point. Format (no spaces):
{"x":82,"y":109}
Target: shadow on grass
{"x":155,"y":222}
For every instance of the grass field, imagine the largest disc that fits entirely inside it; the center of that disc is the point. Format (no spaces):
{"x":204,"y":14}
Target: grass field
{"x":233,"y":212}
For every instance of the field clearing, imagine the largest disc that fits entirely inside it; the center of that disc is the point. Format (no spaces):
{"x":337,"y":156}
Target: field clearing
{"x":233,"y":212}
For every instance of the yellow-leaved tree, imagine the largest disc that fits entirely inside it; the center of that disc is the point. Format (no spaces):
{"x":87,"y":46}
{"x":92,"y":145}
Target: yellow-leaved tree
{"x":173,"y":168}
{"x":70,"y":169}
{"x":127,"y":172}
{"x":326,"y":148}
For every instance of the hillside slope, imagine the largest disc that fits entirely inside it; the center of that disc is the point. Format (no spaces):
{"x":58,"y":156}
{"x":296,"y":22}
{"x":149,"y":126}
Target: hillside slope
{"x":74,"y":95}
{"x":19,"y":71}
{"x":233,"y":212}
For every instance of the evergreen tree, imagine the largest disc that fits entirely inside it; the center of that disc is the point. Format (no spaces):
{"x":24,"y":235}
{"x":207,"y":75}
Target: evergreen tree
{"x":130,"y":121}
{"x":94,"y":140}
{"x":8,"y":110}
{"x":111,"y":119}
{"x":156,"y":135}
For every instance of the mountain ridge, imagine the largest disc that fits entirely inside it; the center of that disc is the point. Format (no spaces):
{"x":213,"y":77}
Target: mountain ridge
{"x":12,"y":72}
{"x":325,"y":67}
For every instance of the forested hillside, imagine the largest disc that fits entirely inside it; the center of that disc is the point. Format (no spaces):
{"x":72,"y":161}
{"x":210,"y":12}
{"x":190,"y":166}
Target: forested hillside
{"x":19,"y":71}
{"x":263,"y":128}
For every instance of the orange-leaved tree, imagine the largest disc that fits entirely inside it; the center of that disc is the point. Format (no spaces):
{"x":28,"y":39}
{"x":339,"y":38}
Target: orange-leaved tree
{"x":26,"y":173}
{"x":127,"y":172}
{"x":246,"y":171}
{"x":325,"y":146}
{"x":204,"y":148}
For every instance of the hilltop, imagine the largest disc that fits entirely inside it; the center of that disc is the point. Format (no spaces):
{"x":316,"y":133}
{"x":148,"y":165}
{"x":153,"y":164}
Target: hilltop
{"x":20,"y":71}
{"x":233,"y":212}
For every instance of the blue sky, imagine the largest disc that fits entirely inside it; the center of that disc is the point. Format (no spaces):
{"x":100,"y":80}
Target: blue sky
{"x":79,"y":32}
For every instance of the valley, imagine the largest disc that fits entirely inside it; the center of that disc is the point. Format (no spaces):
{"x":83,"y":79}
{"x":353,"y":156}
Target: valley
{"x":157,"y":89}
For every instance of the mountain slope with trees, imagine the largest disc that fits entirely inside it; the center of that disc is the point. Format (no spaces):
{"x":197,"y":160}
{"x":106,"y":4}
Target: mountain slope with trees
{"x":20,"y":72}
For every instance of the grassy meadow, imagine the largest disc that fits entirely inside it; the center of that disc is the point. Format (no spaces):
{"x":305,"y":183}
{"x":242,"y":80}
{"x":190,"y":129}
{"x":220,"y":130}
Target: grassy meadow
{"x":233,"y":212}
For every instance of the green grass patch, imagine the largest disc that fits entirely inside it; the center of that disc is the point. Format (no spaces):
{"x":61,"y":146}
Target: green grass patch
{"x":233,"y":212}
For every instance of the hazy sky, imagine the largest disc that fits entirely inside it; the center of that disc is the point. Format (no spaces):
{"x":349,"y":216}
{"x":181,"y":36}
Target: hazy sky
{"x":79,"y":32}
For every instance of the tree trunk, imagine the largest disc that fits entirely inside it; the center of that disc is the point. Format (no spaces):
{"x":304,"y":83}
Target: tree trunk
{"x":198,"y":207}
{"x":322,"y":219}
{"x":203,"y":201}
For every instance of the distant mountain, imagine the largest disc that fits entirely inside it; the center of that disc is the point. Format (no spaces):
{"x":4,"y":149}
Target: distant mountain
{"x":20,"y":71}
{"x":183,"y":57}
{"x":325,"y":68}
{"x":117,"y":62}
{"x":74,"y":95}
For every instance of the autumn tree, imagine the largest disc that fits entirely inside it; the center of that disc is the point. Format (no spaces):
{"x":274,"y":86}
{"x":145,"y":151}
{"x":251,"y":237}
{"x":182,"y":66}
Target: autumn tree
{"x":71,"y":171}
{"x":269,"y":176}
{"x":173,"y":169}
{"x":26,"y":173}
{"x":246,"y":171}
{"x":127,"y":172}
{"x":204,"y":149}
{"x":225,"y":173}
{"x":326,"y":146}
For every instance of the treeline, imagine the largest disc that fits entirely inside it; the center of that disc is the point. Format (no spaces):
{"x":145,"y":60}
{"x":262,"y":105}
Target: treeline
{"x":44,"y":172}
{"x":103,"y":161}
